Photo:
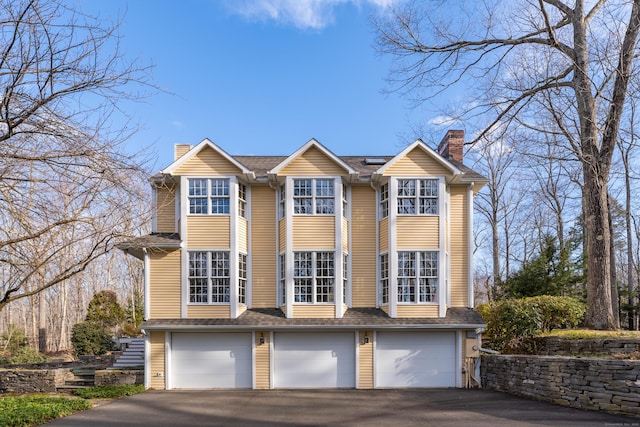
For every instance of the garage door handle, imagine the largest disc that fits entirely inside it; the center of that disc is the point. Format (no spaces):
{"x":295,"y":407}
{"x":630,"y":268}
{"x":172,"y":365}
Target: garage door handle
{"x":333,"y":353}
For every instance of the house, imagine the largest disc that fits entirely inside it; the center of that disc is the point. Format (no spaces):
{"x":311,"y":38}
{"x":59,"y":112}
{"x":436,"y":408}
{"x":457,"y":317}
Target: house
{"x":311,"y":270}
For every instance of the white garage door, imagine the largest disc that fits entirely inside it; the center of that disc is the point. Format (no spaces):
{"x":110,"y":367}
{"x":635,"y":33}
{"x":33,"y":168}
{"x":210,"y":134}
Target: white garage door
{"x":314,"y":360}
{"x":415,"y":359}
{"x":211,"y":360}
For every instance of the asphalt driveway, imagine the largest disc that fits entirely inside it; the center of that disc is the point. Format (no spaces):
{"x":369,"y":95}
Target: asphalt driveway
{"x":433,"y":407}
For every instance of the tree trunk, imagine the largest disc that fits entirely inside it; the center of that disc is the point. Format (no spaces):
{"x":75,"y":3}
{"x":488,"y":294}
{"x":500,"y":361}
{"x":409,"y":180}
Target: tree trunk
{"x":615,"y":297}
{"x":42,"y":322}
{"x":598,"y":235}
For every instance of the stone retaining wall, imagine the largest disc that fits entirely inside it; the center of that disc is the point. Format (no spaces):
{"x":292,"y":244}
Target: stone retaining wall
{"x":119,"y":377}
{"x":553,"y":346}
{"x":32,"y":380}
{"x":586,"y":383}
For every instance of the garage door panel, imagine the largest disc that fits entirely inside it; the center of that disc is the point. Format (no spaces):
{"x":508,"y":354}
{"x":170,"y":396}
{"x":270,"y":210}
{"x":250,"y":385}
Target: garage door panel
{"x":211,"y":360}
{"x":415,"y":359}
{"x":320,"y":360}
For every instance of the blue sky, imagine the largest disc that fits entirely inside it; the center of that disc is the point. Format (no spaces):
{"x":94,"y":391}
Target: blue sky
{"x":263,"y":76}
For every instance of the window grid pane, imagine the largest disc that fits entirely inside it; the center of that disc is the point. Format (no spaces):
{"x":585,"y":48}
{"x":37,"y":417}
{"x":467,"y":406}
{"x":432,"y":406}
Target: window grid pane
{"x":345,"y":277}
{"x":198,"y":281}
{"x":325,"y":203}
{"x":219,"y":196}
{"x":242,"y":278}
{"x":428,"y":199}
{"x":384,"y":200}
{"x":384,"y":277}
{"x":428,"y":278}
{"x":198,"y":196}
{"x":242,"y":200}
{"x":406,"y":277}
{"x":325,"y":277}
{"x":283,"y":293}
{"x":303,"y":277}
{"x":220,"y":288}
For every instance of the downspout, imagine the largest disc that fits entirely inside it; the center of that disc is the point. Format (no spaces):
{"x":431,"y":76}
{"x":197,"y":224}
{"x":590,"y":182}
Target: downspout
{"x":470,"y":248}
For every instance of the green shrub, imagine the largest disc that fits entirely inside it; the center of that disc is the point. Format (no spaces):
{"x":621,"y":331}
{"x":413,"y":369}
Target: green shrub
{"x":23,"y":355}
{"x":512,"y":323}
{"x":90,"y":338}
{"x":26,"y":411}
{"x":108,"y":391}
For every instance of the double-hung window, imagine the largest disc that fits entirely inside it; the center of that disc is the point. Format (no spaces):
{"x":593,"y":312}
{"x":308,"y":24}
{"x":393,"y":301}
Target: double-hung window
{"x":313,"y":196}
{"x":384,"y":200}
{"x":314,"y":277}
{"x":242,"y":200}
{"x":208,"y":196}
{"x":417,"y":196}
{"x":417,"y":276}
{"x":209,"y":277}
{"x":242,"y":278}
{"x":384,"y":277}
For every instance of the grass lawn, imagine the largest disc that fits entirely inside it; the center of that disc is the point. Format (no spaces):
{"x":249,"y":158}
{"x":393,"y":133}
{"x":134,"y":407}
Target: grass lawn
{"x":32,"y":410}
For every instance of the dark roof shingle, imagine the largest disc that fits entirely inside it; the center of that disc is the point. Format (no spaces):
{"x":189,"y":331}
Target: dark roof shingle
{"x":257,"y":318}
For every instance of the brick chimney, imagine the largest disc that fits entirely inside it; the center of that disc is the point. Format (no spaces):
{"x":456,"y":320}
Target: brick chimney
{"x":181,"y":150}
{"x":451,"y":145}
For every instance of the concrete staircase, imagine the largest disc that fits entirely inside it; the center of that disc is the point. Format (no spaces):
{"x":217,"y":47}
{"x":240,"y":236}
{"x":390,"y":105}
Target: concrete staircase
{"x":132,"y":356}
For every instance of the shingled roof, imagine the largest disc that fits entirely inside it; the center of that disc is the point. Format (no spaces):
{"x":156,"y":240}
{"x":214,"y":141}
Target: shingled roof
{"x":168,"y":241}
{"x":257,"y":318}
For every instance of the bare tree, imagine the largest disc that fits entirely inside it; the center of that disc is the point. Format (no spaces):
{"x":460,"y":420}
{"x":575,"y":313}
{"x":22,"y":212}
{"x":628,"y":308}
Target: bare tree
{"x":578,"y":56}
{"x":66,"y":179}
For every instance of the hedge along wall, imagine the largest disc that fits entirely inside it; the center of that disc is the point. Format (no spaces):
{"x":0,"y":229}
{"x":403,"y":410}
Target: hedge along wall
{"x":597,"y":384}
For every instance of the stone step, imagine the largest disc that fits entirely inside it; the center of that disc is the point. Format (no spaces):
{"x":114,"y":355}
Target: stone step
{"x":80,"y":382}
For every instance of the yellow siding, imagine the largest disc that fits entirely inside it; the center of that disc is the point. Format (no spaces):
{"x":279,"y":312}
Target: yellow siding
{"x":166,"y":210}
{"x":208,"y":231}
{"x":243,"y":241}
{"x":313,"y":162}
{"x":282,"y":230}
{"x":365,"y":361}
{"x":415,"y":232}
{"x":207,"y":163}
{"x":384,"y":234}
{"x":208,"y":311}
{"x":164,"y":287}
{"x":363,"y":251}
{"x":345,"y":235}
{"x":385,"y":308}
{"x":263,"y":247}
{"x":417,"y":163}
{"x":314,"y":311}
{"x":156,"y":358}
{"x":459,"y":211}
{"x":416,"y":311}
{"x":313,"y":231}
{"x":262,"y":360}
